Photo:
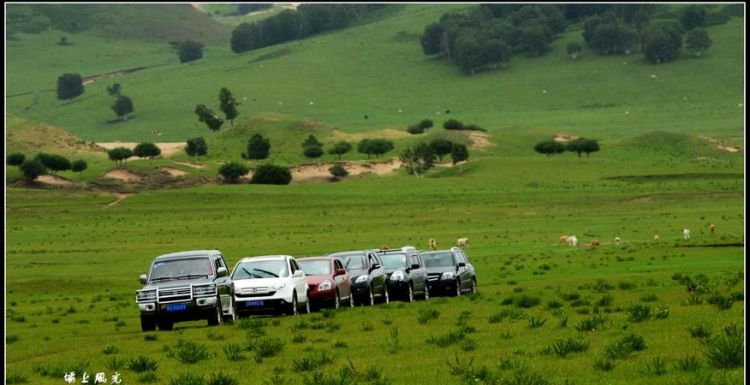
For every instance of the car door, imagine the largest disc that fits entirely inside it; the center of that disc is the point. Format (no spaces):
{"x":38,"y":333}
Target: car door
{"x":463,"y":271}
{"x":419,"y":275}
{"x":223,"y":284}
{"x":376,"y":272}
{"x":343,"y":283}
{"x":300,"y":281}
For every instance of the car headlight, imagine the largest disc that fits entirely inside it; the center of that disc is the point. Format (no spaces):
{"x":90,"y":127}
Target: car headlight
{"x":362,"y":278}
{"x":145,"y":295}
{"x":204,"y":290}
{"x":280,"y":287}
{"x":448,"y":275}
{"x":397,"y":275}
{"x":326,"y":285}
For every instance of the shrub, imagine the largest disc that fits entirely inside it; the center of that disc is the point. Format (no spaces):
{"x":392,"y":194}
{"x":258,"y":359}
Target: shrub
{"x":453,"y":124}
{"x":446,"y":339}
{"x":188,"y":379}
{"x":312,"y":361}
{"x":604,"y":364}
{"x":549,"y":147}
{"x":232,"y":171}
{"x":536,"y":322}
{"x":271,"y":174}
{"x":150,"y":337}
{"x":188,"y":50}
{"x":688,"y":364}
{"x":15,"y":159}
{"x":69,"y":86}
{"x":657,"y":366}
{"x":415,"y":130}
{"x":146,"y":150}
{"x":196,"y":146}
{"x":142,"y":364}
{"x":590,"y":324}
{"x":526,"y":301}
{"x":639,"y":313}
{"x":313,"y":151}
{"x":119,"y":154}
{"x":699,"y":331}
{"x":375,"y":147}
{"x":340,"y":148}
{"x":726,"y":350}
{"x":54,"y":162}
{"x":79,"y":165}
{"x":257,"y":147}
{"x":110,"y":349}
{"x":188,"y":352}
{"x":338,"y":171}
{"x":625,"y":346}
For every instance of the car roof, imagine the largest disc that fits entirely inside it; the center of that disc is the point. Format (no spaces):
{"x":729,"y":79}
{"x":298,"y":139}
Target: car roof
{"x":265,"y":257}
{"x":343,"y":253}
{"x":325,"y":258}
{"x":191,"y":253}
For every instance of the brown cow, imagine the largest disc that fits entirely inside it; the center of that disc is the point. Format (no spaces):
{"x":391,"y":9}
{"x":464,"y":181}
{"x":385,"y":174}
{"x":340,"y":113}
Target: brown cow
{"x":433,"y":244}
{"x":713,"y":229}
{"x":594,"y":243}
{"x":564,"y":239}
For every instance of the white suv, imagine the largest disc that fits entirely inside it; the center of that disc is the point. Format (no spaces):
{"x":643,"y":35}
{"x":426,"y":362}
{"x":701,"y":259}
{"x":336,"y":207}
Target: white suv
{"x":273,"y":282}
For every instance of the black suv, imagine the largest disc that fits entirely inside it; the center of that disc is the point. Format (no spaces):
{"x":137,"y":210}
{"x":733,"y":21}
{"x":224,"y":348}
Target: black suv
{"x":368,"y":275}
{"x":406,"y":274}
{"x":449,"y":272}
{"x":185,"y":286}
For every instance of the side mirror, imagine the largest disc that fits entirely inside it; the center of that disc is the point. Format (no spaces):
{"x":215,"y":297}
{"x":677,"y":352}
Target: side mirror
{"x":415,"y":266}
{"x":299,"y":273}
{"x":462,"y":264}
{"x":221,"y":272}
{"x":143,"y":278}
{"x":339,"y":272}
{"x":376,"y":266}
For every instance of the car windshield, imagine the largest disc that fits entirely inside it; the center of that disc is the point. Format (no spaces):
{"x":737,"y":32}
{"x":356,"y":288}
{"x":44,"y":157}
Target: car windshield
{"x":351,"y":261}
{"x":438,"y":259}
{"x":315,"y":266}
{"x":181,"y":269}
{"x":261,"y":269}
{"x":393,"y":260}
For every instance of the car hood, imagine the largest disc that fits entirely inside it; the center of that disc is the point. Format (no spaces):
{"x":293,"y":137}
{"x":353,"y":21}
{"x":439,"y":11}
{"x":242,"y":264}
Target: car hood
{"x":259,"y":283}
{"x":440,"y":269}
{"x":357,"y":272}
{"x":179,"y":283}
{"x":317,"y":279}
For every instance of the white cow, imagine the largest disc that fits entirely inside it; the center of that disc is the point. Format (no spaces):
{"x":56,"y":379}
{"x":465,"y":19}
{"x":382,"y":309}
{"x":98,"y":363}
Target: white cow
{"x":686,"y":234}
{"x":618,"y":241}
{"x":573,"y":241}
{"x":462,"y":242}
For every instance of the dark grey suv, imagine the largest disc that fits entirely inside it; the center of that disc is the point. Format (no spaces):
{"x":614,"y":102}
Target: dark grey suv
{"x":406,"y":274}
{"x":368,"y":276}
{"x":449,"y":272}
{"x":185,"y":286}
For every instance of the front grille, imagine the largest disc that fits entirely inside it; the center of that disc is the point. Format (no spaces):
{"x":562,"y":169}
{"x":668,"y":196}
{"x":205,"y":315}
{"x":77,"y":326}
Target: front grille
{"x":204,"y":290}
{"x":434,"y":276}
{"x":252,"y":295}
{"x":175,"y":294}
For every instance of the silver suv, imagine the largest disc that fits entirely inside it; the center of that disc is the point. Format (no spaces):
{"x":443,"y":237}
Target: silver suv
{"x":185,"y":286}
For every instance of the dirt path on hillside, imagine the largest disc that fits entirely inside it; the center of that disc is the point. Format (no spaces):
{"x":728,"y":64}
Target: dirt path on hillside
{"x":719,"y":145}
{"x":91,"y":79}
{"x":479,"y":140}
{"x":123,"y":175}
{"x":55,"y":180}
{"x":120,"y":197}
{"x":173,"y":171}
{"x":167,"y":148}
{"x":190,"y":164}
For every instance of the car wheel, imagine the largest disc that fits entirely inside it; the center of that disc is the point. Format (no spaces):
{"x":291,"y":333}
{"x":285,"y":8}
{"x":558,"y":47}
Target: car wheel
{"x":147,"y":323}
{"x":386,"y":296}
{"x":215,"y":318}
{"x":426,"y":293}
{"x":351,"y":299}
{"x":458,"y":289}
{"x":165,"y":324}
{"x":307,"y":304}
{"x":372,"y":297}
{"x":337,"y":301}
{"x":473,"y":286}
{"x":229,"y":319}
{"x":293,"y":306}
{"x":410,"y":294}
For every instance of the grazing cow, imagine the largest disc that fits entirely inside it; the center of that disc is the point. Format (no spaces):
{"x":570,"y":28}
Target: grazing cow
{"x":713,"y":229}
{"x":563,"y":239}
{"x":594,"y":243}
{"x":686,"y":234}
{"x":462,"y":242}
{"x":618,"y":241}
{"x":656,"y":237}
{"x":433,"y":244}
{"x":573,"y":241}
{"x":383,"y":247}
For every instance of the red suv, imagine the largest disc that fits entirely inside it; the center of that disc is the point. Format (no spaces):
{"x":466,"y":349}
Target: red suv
{"x":328,"y":280}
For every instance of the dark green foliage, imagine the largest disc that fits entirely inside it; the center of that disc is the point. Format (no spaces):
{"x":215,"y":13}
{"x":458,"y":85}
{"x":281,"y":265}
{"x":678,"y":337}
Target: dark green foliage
{"x":431,"y":39}
{"x":536,"y":321}
{"x":312,"y":361}
{"x":583,"y":145}
{"x":693,"y":16}
{"x":527,"y":301}
{"x":535,"y":40}
{"x":110,"y":349}
{"x":265,"y":347}
{"x":147,"y":377}
{"x":441,"y":147}
{"x":313,"y":151}
{"x":574,"y":49}
{"x":375,"y":147}
{"x":123,"y":106}
{"x":688,"y":364}
{"x":415,"y":130}
{"x":222,"y":379}
{"x":54,"y":162}
{"x":258,"y":147}
{"x":698,"y":42}
{"x":427,"y":314}
{"x":233,"y":351}
{"x":657,"y":366}
{"x":188,"y":352}
{"x":119,"y":154}
{"x":146,"y":150}
{"x":114,"y":90}
{"x":562,"y":347}
{"x":196,"y":146}
{"x":188,"y":50}
{"x":604,"y":364}
{"x":735,"y":10}
{"x":661,"y":41}
{"x":311,"y":141}
{"x":549,"y":147}
{"x":639,"y":313}
{"x":340,"y":148}
{"x":206,"y":115}
{"x":150,"y":337}
{"x":228,"y":105}
{"x":232,"y":171}
{"x":271,"y":174}
{"x":661,"y":312}
{"x":591,"y":324}
{"x":16,"y":378}
{"x":419,"y":159}
{"x":612,"y":38}
{"x":625,"y":347}
{"x":15,"y":159}
{"x":453,"y":124}
{"x":142,"y":364}
{"x":726,"y":350}
{"x":338,"y":171}
{"x":699,"y":331}
{"x":69,"y":86}
{"x":459,"y":153}
{"x":79,"y":165}
{"x":188,"y":379}
{"x":649,"y":298}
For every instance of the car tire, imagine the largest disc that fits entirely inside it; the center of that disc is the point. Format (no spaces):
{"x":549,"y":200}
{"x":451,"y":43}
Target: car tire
{"x":372,"y":297}
{"x":426,"y":295}
{"x":351,"y":300}
{"x":386,"y":295}
{"x":410,"y":294}
{"x":337,"y":301}
{"x":148,"y":324}
{"x":229,"y":319}
{"x":215,"y":318}
{"x":293,"y":306}
{"x":165,"y":324}
{"x":307,"y":305}
{"x":458,"y":289}
{"x":474,"y":286}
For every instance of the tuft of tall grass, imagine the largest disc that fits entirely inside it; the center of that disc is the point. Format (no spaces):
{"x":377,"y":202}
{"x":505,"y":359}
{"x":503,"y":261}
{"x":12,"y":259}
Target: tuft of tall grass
{"x":726,"y":350}
{"x":142,"y":364}
{"x":639,"y":313}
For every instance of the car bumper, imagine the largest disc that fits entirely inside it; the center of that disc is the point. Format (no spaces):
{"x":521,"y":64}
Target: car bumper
{"x":398,"y":288}
{"x":442,"y":286}
{"x":263,"y":303}
{"x":323,"y":296}
{"x":361,"y":290}
{"x":197,"y":308}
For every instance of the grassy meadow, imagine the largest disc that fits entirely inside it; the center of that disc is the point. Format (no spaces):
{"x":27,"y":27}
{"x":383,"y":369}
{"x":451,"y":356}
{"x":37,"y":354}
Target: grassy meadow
{"x":545,"y":313}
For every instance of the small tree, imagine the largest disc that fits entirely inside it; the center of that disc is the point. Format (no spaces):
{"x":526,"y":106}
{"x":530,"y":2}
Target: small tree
{"x":574,"y":50}
{"x":698,"y":42}
{"x":146,"y":150}
{"x":426,"y":124}
{"x":232,"y":171}
{"x":582,"y":145}
{"x":313,"y":151}
{"x":338,"y":171}
{"x":589,"y":146}
{"x":207,"y":116}
{"x":415,"y":129}
{"x":114,"y":90}
{"x":258,"y":147}
{"x":441,"y":147}
{"x":54,"y":162}
{"x":459,"y":153}
{"x":196,"y":146}
{"x":375,"y":147}
{"x":228,"y":105}
{"x":15,"y":159}
{"x":271,"y":174}
{"x":123,"y":106}
{"x":453,"y":124}
{"x":549,"y":147}
{"x":79,"y":166}
{"x":311,"y":141}
{"x":119,"y":154}
{"x":418,"y":160}
{"x":69,"y":86}
{"x":693,"y":16}
{"x":32,"y":169}
{"x":340,"y":148}
{"x":189,"y":50}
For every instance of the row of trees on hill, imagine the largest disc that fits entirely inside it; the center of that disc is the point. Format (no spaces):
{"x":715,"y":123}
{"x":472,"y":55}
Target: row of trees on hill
{"x":579,"y":146}
{"x":264,"y":174}
{"x":306,"y":20}
{"x":450,"y":124}
{"x":420,"y":158}
{"x":142,"y":150}
{"x":43,"y":163}
{"x":259,"y":147}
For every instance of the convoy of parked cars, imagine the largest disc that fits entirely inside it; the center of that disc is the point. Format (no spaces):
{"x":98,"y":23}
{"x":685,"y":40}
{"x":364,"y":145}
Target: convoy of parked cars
{"x":195,"y":285}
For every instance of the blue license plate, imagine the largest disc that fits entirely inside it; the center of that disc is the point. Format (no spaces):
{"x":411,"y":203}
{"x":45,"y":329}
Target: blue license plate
{"x":176,"y":307}
{"x":254,"y":303}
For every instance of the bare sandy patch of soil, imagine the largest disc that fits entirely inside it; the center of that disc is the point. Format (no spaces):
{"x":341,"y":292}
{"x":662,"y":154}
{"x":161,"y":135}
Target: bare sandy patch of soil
{"x":479,"y":140}
{"x":167,"y":148}
{"x":55,"y":180}
{"x":319,"y":171}
{"x":119,"y":198}
{"x":191,"y":164}
{"x":388,"y":133}
{"x":719,"y":145}
{"x":124,"y":175}
{"x":564,"y":138}
{"x":173,"y":171}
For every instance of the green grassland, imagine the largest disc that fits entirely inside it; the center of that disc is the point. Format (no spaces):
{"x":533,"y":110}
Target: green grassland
{"x":72,"y":261}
